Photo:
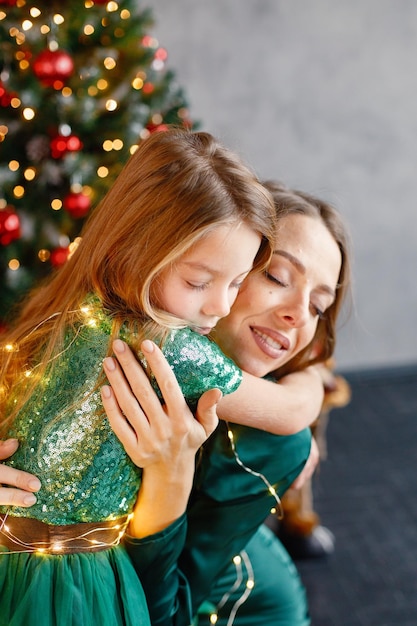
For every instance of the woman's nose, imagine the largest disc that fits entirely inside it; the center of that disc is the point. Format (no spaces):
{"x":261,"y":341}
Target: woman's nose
{"x":296,"y":313}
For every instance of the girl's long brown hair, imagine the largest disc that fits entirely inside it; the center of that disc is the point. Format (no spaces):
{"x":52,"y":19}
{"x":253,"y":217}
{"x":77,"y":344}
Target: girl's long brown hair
{"x":175,"y":188}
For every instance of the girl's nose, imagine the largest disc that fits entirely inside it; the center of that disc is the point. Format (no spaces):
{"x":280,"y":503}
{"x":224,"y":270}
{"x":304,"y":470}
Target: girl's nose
{"x":219,"y":305}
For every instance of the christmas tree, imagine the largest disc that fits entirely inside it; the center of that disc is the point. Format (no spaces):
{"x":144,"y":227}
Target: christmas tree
{"x":81,"y":83}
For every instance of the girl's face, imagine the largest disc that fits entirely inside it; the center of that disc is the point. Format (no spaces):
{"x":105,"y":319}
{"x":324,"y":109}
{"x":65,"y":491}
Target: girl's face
{"x":276,"y":313}
{"x":201,"y":286}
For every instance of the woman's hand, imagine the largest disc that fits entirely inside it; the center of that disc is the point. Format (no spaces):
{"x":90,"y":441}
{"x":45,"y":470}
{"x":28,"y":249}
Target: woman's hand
{"x":162,"y":439}
{"x":17,"y":487}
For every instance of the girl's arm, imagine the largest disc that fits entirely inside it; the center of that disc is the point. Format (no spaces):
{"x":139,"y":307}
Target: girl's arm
{"x":161,"y":439}
{"x":281,"y":408}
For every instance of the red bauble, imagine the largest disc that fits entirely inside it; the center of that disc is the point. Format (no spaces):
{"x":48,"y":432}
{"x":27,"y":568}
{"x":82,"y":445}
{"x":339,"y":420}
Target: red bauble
{"x":77,"y":204}
{"x":59,"y":256}
{"x":156,"y":128}
{"x":6,"y":96}
{"x":9,"y":226}
{"x":60,"y":145}
{"x":53,"y":66}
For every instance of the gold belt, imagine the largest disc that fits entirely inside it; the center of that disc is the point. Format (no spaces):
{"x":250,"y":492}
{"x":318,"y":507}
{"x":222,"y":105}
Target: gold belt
{"x":24,"y":534}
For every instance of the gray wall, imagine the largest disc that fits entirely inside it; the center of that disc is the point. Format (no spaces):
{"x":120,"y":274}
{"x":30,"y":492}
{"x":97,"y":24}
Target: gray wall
{"x":321,"y":94}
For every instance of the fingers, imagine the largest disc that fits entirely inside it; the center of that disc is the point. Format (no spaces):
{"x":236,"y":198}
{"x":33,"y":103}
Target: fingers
{"x":16,"y":497}
{"x":17,"y":485}
{"x":207,"y":410}
{"x":7,"y":448}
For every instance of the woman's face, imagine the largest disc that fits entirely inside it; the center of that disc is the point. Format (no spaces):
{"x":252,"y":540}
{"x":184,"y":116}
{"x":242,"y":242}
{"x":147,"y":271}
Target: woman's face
{"x":276,"y":312}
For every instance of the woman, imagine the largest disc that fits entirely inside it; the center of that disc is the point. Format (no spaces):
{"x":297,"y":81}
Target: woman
{"x":272,"y":314}
{"x":204,"y":220}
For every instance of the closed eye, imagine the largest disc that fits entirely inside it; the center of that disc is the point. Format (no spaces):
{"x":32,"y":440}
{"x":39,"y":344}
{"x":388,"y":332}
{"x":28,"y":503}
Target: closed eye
{"x":275,"y":280}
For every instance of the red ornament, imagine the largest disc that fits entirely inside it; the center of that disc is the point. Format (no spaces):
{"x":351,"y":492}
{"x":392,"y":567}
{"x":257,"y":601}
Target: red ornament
{"x":61,"y":144}
{"x":77,"y":204}
{"x":6,"y":96}
{"x":9,"y":226}
{"x":156,"y":128}
{"x":53,"y":67}
{"x":59,"y":256}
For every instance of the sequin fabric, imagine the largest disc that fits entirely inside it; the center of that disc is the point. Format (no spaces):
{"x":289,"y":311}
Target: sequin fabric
{"x":64,"y":435}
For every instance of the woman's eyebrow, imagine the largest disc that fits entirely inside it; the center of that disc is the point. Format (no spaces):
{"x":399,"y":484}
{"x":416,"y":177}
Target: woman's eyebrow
{"x":302,"y":268}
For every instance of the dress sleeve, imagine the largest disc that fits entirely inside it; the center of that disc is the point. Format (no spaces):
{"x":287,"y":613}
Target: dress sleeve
{"x":155,"y":560}
{"x":199,"y":365}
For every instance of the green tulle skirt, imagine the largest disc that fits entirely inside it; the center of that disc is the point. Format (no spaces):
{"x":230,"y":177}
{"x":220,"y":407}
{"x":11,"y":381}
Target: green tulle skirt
{"x":83,"y":589}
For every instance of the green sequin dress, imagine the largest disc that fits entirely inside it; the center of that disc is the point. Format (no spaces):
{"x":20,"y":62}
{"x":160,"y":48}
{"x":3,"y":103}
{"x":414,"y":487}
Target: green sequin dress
{"x":86,"y":476}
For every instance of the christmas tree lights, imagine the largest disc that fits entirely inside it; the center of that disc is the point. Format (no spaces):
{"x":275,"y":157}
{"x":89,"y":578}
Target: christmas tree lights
{"x":81,"y":83}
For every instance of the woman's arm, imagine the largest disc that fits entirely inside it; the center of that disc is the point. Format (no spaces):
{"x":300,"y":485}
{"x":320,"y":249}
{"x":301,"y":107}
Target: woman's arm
{"x":17,"y":488}
{"x":161,"y":439}
{"x":281,"y":408}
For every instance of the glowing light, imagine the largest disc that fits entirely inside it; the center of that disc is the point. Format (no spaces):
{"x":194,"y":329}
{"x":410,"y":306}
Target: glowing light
{"x":43,"y":255}
{"x":102,"y":172}
{"x":111,"y":105}
{"x":28,"y":114}
{"x":56,"y":547}
{"x":13,"y":265}
{"x":24,"y":65}
{"x":66,"y":92}
{"x":9,"y":347}
{"x":45,"y":29}
{"x":157,"y":118}
{"x":58,"y":19}
{"x":88,"y":29}
{"x":14,"y":166}
{"x":30,"y":173}
{"x":15,"y":103}
{"x":137,"y":83}
{"x":19,"y":191}
{"x":109,"y":63}
{"x":237,"y":560}
{"x":35,"y":12}
{"x":213,"y":618}
{"x":56,"y":204}
{"x":102,"y":84}
{"x":112,"y":6}
{"x":125,"y":14}
{"x":27,"y":25}
{"x":250,"y":583}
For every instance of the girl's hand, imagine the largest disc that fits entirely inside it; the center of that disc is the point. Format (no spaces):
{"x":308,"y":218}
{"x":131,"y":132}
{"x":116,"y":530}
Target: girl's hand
{"x":17,"y":487}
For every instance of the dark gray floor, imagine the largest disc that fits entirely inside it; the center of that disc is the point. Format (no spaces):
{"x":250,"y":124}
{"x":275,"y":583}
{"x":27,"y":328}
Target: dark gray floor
{"x":366,"y":493}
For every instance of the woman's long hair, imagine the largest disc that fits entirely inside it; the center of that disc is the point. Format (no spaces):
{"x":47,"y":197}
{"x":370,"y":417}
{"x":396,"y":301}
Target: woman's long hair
{"x":174,"y":189}
{"x":289,"y":202}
